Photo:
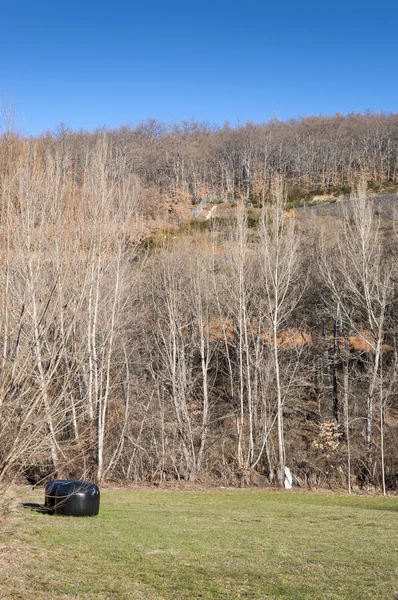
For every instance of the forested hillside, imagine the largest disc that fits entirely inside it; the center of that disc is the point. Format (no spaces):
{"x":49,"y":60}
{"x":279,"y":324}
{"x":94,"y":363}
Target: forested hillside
{"x":190,"y":160}
{"x":139,"y":344}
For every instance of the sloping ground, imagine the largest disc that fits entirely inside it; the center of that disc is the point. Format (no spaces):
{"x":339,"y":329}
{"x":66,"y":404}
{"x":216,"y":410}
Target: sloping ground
{"x":385,"y":206}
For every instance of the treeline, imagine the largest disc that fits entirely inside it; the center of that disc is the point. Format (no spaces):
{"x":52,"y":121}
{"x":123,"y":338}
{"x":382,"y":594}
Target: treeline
{"x":223,"y":354}
{"x":188,"y":161}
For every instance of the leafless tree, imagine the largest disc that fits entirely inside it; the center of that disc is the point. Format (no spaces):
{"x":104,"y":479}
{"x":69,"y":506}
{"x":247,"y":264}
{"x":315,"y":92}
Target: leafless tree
{"x":282,"y":289}
{"x":360,"y":282}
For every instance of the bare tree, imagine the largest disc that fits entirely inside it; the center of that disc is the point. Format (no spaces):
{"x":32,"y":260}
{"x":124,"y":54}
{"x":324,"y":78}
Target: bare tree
{"x":360,"y":281}
{"x":282,"y":288}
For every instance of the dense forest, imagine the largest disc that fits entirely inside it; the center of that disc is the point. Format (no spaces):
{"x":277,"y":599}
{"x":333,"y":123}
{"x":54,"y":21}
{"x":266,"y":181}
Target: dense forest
{"x":188,"y":161}
{"x":139,"y":343}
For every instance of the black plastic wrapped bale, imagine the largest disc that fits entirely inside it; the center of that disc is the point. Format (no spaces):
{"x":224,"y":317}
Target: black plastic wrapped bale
{"x":76,"y":498}
{"x":49,"y":495}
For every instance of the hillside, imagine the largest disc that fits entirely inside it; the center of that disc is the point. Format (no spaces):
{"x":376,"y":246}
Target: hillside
{"x":141,"y":345}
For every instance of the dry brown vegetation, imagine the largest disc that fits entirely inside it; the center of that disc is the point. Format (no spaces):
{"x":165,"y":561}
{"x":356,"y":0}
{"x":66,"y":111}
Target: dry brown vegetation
{"x":222,"y":352}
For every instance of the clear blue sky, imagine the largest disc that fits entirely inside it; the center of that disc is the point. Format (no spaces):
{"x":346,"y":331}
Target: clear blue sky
{"x":110,"y":63}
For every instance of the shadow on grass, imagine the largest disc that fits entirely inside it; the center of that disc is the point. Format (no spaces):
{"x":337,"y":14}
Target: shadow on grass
{"x":385,"y":508}
{"x":40,"y":508}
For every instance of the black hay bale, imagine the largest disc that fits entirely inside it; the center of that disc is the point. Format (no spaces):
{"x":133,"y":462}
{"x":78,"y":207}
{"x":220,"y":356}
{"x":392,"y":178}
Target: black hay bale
{"x":49,"y":494}
{"x":72,"y":498}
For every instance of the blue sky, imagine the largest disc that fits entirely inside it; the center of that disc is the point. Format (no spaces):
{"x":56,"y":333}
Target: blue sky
{"x":91,"y":64}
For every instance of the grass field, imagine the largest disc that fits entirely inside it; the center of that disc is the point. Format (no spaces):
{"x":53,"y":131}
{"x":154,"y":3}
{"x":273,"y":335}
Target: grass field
{"x":227,"y":544}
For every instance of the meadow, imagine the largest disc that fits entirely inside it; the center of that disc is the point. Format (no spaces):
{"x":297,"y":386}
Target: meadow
{"x":209,"y":544}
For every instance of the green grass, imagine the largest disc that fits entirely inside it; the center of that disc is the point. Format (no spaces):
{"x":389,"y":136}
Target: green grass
{"x":226,"y":544}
